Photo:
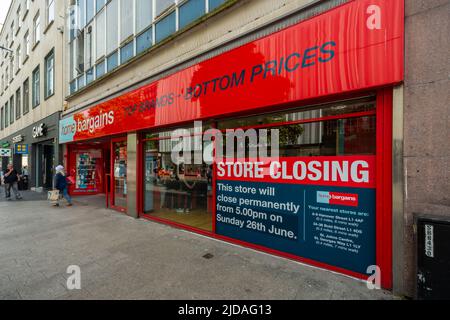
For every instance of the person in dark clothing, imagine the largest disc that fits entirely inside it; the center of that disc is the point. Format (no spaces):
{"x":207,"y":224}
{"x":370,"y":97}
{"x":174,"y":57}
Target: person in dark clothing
{"x":62,"y":185}
{"x":11,"y":178}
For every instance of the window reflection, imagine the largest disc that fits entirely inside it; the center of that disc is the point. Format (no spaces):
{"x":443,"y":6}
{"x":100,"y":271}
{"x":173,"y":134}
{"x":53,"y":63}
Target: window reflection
{"x":181,"y":192}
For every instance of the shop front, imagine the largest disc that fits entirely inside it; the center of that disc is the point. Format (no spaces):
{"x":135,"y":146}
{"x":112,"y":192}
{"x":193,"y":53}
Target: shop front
{"x":34,"y":152}
{"x":319,"y":93}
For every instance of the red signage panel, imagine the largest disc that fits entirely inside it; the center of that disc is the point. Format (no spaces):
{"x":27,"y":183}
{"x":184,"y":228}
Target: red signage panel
{"x":356,"y":46}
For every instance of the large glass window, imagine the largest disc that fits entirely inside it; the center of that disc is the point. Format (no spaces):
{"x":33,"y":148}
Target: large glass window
{"x":190,"y":11}
{"x":119,"y":29}
{"x":89,"y":10}
{"x":178,"y":192}
{"x":144,"y":14}
{"x":317,"y":132}
{"x":213,"y":4}
{"x":126,"y":18}
{"x":112,"y":26}
{"x":144,"y":41}
{"x":100,"y":35}
{"x":165,"y":27}
{"x":162,"y":5}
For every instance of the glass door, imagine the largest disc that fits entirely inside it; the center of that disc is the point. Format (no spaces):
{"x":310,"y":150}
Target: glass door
{"x":119,"y":175}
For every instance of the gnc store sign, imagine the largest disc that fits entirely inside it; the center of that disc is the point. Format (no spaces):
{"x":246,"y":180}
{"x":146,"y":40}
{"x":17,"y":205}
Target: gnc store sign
{"x":331,"y":211}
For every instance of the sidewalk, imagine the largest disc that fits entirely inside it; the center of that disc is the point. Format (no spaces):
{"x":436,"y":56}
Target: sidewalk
{"x":124,"y":258}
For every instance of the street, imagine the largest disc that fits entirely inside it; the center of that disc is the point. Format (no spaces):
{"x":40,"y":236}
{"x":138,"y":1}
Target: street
{"x":124,"y":258}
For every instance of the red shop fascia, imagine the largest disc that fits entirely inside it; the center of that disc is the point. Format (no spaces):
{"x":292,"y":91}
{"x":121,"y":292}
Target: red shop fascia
{"x":348,"y":52}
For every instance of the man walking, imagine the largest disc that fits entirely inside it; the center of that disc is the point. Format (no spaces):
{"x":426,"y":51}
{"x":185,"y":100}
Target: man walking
{"x":11,"y":177}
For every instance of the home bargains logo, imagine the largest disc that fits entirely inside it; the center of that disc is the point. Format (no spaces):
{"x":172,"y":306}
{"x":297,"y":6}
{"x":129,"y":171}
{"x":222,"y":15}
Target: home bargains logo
{"x":337,"y":198}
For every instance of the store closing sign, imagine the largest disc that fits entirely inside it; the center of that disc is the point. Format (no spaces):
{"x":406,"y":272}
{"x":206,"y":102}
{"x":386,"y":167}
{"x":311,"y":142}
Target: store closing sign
{"x":320,"y":208}
{"x":356,"y":46}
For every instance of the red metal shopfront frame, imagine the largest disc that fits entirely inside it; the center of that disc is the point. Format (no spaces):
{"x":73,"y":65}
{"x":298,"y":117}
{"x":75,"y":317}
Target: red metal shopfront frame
{"x":383,"y":193}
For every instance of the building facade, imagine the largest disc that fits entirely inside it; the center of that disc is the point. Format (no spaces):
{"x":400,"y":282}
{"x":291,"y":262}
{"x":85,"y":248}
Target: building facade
{"x":343,"y":82}
{"x":31,"y":95}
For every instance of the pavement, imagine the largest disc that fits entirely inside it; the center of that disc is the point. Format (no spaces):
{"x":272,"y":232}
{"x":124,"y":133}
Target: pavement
{"x":124,"y":258}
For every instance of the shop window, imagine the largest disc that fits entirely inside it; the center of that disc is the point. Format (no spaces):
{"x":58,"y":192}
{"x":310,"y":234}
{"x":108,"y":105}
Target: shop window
{"x":126,"y":52}
{"x":165,"y":27}
{"x":190,"y":11}
{"x":213,"y":4}
{"x":144,"y":41}
{"x":181,"y":193}
{"x":309,"y":133}
{"x":87,"y":172}
{"x":113,"y":61}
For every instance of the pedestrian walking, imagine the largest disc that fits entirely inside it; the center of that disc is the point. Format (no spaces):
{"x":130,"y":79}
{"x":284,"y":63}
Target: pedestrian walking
{"x":61,"y":185}
{"x":11,"y":177}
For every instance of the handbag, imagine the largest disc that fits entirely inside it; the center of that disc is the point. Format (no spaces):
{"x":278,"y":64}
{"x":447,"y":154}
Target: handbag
{"x":70,"y":180}
{"x":53,"y":195}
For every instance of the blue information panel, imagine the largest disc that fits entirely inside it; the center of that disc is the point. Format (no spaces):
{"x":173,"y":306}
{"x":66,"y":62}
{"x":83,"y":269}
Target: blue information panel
{"x":334,"y":225}
{"x":21,"y":149}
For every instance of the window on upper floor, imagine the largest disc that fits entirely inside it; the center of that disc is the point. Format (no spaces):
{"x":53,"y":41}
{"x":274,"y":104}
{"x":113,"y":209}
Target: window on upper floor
{"x":2,"y":115}
{"x":36,"y":29}
{"x":107,"y":33}
{"x":26,"y":96}
{"x":6,"y":115}
{"x":18,"y":18}
{"x":49,"y":81}
{"x":18,"y":104}
{"x":11,"y":110}
{"x":50,"y":11}
{"x":36,"y":88}
{"x":26,"y":45}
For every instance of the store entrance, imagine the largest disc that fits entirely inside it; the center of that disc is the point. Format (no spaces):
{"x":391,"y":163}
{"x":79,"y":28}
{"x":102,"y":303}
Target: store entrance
{"x":45,"y":153}
{"x":119,"y":174}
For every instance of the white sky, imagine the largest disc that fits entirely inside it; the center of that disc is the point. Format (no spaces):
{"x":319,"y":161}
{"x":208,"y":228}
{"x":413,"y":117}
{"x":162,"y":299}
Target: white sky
{"x":4,"y":6}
